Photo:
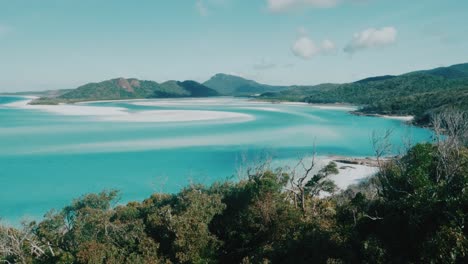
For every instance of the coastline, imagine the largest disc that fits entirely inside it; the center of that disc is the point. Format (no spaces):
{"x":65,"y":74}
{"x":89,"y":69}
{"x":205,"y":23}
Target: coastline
{"x":407,"y":118}
{"x":69,"y":108}
{"x":351,"y":174}
{"x":352,"y":109}
{"x":121,"y":114}
{"x":351,"y":170}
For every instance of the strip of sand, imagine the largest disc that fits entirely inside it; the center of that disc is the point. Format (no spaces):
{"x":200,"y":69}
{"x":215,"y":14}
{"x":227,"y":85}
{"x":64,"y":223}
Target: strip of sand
{"x":121,"y":114}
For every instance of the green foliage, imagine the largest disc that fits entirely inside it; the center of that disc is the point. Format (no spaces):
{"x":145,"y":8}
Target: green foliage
{"x":180,"y":223}
{"x":411,"y":212}
{"x":418,"y":94}
{"x":237,"y":86}
{"x":257,"y":224}
{"x":183,"y":89}
{"x":319,"y":181}
{"x":112,"y":89}
{"x":421,"y":94}
{"x":121,"y":88}
{"x":422,"y":212}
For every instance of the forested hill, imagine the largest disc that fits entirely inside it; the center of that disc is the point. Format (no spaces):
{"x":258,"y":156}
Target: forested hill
{"x":418,"y":93}
{"x":234,"y":85}
{"x":122,"y":88}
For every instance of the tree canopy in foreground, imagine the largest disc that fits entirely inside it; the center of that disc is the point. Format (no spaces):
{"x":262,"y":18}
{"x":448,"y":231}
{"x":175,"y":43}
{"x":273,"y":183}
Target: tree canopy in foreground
{"x":413,"y":211}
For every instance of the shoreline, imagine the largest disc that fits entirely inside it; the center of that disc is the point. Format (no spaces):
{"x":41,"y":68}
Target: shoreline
{"x":348,"y":175}
{"x":351,"y":169}
{"x":352,"y":109}
{"x":407,"y":118}
{"x":332,"y":106}
{"x":121,"y":114}
{"x":353,"y":160}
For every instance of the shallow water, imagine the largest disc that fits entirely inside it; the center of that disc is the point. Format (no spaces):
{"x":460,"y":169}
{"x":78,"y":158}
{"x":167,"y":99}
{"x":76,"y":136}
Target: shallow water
{"x":48,"y":158}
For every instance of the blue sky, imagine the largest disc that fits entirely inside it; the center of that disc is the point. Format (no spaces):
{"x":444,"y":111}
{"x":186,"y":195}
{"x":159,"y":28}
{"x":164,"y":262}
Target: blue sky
{"x":53,"y":44}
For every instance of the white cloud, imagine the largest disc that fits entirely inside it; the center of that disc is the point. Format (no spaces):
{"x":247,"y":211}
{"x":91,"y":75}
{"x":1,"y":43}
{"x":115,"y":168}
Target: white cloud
{"x":201,"y":8}
{"x":328,"y":46}
{"x":372,"y":38}
{"x":284,"y":5}
{"x":306,"y":48}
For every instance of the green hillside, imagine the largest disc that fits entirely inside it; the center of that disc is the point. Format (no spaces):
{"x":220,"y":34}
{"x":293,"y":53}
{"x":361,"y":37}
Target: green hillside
{"x":420,"y":93}
{"x":298,"y":93}
{"x":113,"y":89}
{"x":184,"y":89}
{"x":122,"y":88}
{"x":234,"y":85}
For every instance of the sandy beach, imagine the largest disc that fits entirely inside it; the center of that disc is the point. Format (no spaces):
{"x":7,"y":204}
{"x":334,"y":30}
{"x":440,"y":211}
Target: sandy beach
{"x":402,"y":118}
{"x":120,"y":114}
{"x":349,"y":174}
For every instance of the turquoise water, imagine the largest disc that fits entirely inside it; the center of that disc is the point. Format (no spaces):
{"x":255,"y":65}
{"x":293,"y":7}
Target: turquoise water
{"x":47,"y":159}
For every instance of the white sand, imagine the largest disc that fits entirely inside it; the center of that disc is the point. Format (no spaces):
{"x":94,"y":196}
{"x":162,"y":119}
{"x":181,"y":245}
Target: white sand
{"x":190,"y":102}
{"x":179,"y":116}
{"x":293,"y":103}
{"x":335,"y":107}
{"x":70,"y":110}
{"x":353,"y":174}
{"x":260,"y":108}
{"x":402,"y":118}
{"x":121,"y":114}
{"x":324,"y":106}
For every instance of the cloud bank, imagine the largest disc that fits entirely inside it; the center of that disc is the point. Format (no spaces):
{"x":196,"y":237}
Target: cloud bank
{"x":372,"y":38}
{"x":306,"y":48}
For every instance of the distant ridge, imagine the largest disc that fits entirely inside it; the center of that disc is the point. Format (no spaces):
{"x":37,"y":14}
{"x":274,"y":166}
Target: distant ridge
{"x":227,"y":84}
{"x":119,"y":88}
{"x":122,"y":88}
{"x":377,"y":78}
{"x":456,"y":71}
{"x":419,"y":93}
{"x":183,"y":89}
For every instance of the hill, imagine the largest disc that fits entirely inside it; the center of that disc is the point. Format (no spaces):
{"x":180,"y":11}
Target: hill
{"x":184,"y":89}
{"x":122,"y":88}
{"x":420,"y":93}
{"x":297,"y":92}
{"x":119,"y":88}
{"x":234,"y":85}
{"x":451,"y":72}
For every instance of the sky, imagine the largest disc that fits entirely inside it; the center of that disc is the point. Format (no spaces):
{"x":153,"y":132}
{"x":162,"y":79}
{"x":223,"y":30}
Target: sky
{"x":61,"y":44}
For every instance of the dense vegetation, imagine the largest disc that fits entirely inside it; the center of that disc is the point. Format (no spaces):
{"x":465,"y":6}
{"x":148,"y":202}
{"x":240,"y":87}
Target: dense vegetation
{"x":414,"y":210}
{"x":129,"y":89}
{"x":233,"y":85}
{"x":187,"y":88}
{"x":420,"y":93}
